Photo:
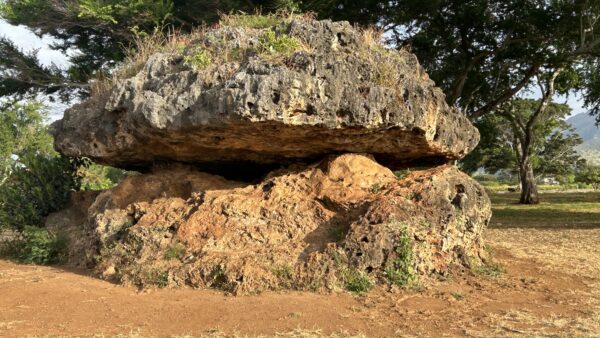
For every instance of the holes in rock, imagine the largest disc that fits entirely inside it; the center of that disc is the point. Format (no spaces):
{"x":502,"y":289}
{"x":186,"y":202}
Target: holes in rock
{"x":418,"y":131}
{"x":95,"y":145}
{"x":405,"y":95}
{"x":268,"y":186}
{"x":365,"y":239}
{"x":310,"y":110}
{"x":342,"y":39}
{"x":369,"y":269}
{"x":359,"y":254}
{"x":250,"y":105}
{"x":276,"y":97}
{"x":460,"y":194}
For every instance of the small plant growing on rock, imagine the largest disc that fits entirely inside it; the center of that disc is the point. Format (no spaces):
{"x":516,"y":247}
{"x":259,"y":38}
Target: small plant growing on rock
{"x":175,"y":251}
{"x":356,"y":281}
{"x":401,"y":271}
{"x":272,"y":43}
{"x":375,"y":188}
{"x":199,"y":60}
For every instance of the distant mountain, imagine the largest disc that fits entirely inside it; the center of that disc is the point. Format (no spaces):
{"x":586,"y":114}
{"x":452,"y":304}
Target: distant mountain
{"x":586,"y":127}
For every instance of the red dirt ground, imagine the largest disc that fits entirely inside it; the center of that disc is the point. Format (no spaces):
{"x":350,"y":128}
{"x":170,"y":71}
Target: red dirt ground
{"x":528,"y":300}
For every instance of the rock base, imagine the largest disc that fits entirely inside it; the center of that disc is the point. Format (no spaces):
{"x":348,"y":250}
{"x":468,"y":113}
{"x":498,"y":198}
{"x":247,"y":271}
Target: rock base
{"x":346,"y":222}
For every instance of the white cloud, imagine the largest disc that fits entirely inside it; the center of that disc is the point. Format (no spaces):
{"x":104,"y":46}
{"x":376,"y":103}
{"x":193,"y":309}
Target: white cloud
{"x":27,"y":40}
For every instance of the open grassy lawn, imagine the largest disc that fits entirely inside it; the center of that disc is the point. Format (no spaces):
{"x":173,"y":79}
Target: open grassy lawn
{"x":558,"y":210}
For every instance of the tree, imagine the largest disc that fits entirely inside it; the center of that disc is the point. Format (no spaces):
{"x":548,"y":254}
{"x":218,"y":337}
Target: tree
{"x":35,"y":179}
{"x":483,"y":53}
{"x":505,"y":144}
{"x":96,"y":31}
{"x":589,"y":175}
{"x":22,"y":132}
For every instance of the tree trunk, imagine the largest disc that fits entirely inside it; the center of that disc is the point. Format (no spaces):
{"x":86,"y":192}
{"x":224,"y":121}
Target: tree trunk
{"x":529,"y":192}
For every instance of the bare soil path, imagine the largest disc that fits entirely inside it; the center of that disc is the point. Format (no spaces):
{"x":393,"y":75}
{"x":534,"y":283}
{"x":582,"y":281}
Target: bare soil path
{"x":528,"y":300}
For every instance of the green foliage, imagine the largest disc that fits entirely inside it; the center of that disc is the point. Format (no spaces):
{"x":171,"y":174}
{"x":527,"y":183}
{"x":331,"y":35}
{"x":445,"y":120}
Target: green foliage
{"x":38,"y":246}
{"x":278,"y":44}
{"x":589,"y":175}
{"x":552,"y":151}
{"x":34,"y":180}
{"x":114,"y":11}
{"x":99,"y":177}
{"x":401,"y":270}
{"x":356,"y":281}
{"x":199,"y":60}
{"x":38,"y":185}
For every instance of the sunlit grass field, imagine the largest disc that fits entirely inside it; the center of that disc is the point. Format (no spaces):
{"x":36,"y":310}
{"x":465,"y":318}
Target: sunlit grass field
{"x":557,"y":210}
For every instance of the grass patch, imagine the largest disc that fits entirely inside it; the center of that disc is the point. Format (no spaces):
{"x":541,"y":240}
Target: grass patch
{"x":555,"y":211}
{"x":256,"y":21}
{"x":490,"y":269}
{"x":271,"y":43}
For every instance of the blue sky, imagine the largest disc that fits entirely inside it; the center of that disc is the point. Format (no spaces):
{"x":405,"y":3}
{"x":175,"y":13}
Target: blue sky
{"x":27,"y":40}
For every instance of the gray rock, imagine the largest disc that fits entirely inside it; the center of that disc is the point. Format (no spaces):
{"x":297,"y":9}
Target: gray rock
{"x":338,"y":93}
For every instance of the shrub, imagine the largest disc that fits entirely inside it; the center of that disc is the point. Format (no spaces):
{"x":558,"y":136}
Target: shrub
{"x":40,"y":184}
{"x":38,"y":246}
{"x":590,"y":175}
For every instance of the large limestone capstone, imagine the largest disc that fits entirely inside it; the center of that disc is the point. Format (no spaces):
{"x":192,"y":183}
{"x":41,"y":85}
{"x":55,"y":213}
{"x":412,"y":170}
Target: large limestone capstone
{"x":335,"y":91}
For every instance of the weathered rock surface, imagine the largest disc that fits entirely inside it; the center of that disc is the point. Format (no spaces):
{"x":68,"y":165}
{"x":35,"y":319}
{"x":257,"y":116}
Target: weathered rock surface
{"x":340,"y":93}
{"x":318,"y":227}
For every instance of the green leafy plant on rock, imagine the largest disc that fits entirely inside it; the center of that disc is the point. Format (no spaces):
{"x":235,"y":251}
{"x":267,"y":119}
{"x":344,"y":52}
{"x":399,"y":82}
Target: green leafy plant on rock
{"x":199,"y":60}
{"x":355,"y":280}
{"x":401,"y":270}
{"x":277,"y":44}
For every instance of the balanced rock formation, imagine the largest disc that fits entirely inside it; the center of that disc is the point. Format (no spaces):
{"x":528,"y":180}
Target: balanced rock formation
{"x":317,"y":112}
{"x":334,"y":91}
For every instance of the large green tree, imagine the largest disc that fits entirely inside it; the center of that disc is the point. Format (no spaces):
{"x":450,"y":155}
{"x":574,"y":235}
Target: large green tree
{"x":550,"y":148}
{"x":34,"y":179}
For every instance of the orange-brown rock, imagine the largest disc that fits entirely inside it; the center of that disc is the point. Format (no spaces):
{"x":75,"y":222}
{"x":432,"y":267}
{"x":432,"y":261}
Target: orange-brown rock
{"x":316,"y":227}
